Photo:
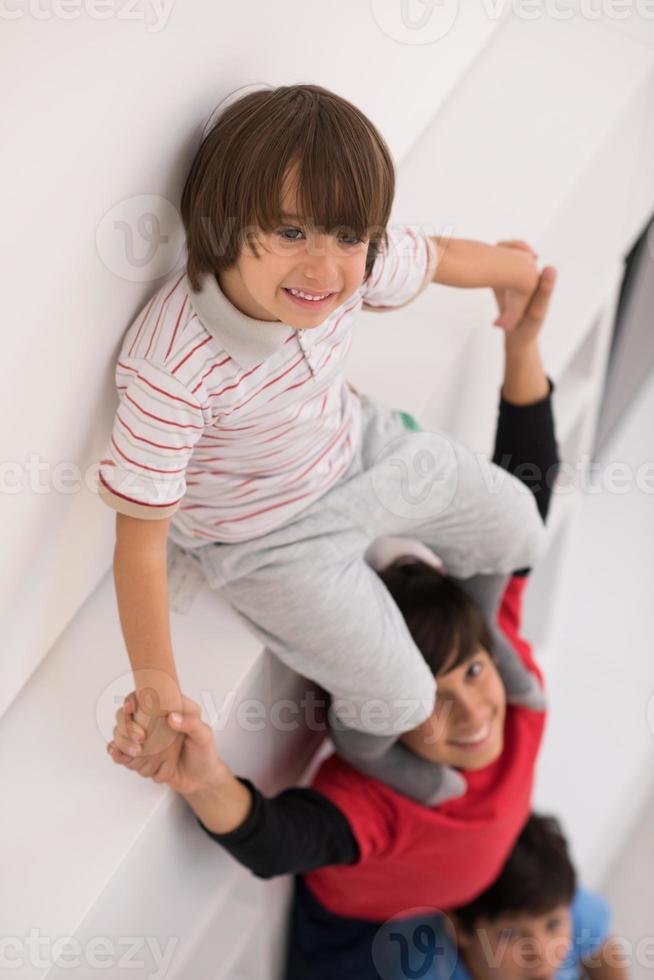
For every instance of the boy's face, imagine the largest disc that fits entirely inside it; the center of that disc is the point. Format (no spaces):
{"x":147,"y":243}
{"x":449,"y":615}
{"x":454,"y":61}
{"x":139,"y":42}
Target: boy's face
{"x":521,"y":947}
{"x":466,"y":728}
{"x":292,"y":256}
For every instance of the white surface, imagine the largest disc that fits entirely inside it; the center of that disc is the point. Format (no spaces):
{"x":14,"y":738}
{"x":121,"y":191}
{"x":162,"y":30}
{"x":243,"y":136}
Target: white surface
{"x":597,"y":762}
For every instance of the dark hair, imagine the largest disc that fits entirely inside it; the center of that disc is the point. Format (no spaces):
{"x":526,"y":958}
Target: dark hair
{"x":345,"y":174}
{"x":537,"y":877}
{"x":441,"y":618}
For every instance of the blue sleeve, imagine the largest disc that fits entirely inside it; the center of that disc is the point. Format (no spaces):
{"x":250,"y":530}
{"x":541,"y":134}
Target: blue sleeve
{"x":591,"y":919}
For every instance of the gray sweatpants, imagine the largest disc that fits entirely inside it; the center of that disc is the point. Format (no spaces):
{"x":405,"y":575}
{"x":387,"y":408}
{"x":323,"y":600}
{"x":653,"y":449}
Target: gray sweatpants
{"x":308,"y":594}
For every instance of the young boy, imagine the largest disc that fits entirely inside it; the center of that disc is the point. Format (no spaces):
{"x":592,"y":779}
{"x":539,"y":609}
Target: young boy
{"x":532,"y":923}
{"x":238,"y":436}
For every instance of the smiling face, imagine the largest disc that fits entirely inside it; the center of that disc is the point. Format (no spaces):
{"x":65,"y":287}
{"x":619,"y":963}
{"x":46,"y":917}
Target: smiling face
{"x":293,"y":256}
{"x":520,"y":947}
{"x":466,"y":728}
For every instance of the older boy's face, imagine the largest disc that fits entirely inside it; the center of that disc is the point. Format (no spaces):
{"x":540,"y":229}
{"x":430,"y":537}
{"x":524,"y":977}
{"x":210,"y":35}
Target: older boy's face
{"x":320,"y":264}
{"x":466,"y":728}
{"x":518,"y":948}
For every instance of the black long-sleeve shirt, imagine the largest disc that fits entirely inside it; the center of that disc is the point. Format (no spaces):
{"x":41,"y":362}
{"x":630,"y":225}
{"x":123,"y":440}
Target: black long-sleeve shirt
{"x":301,"y":829}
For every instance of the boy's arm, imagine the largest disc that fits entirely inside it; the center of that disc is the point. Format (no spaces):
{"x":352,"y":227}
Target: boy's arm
{"x":141,"y":583}
{"x":525,"y":441}
{"x":298,"y":830}
{"x":471,"y":264}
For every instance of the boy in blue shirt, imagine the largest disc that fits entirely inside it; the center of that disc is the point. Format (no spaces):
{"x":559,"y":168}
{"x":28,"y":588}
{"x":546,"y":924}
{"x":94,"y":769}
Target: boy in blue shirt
{"x":533,"y":923}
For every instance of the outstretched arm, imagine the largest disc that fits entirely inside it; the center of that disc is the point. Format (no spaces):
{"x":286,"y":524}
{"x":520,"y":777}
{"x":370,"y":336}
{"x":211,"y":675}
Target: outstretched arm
{"x":508,"y":268}
{"x":525,"y":441}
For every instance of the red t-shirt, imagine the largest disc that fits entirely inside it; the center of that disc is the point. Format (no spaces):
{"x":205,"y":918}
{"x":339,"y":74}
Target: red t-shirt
{"x":414,"y":856}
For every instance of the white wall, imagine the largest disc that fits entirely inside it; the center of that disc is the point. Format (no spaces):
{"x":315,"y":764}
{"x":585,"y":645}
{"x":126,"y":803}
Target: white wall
{"x":510,"y":127}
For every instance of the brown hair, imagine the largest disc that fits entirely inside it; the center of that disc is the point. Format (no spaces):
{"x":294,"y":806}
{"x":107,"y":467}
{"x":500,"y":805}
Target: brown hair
{"x":446,"y":625}
{"x":345,"y":174}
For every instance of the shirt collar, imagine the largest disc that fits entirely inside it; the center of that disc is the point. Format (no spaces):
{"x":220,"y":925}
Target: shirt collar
{"x":247,"y":340}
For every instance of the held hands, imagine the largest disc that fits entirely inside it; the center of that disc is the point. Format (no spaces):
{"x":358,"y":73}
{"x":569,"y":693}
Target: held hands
{"x":189,"y":764}
{"x":528,"y":327}
{"x":512,"y":302}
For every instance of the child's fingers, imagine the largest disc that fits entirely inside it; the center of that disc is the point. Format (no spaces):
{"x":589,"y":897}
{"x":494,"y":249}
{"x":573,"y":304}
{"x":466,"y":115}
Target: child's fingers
{"x":128,"y":729}
{"x":119,"y":757}
{"x":126,"y":722}
{"x":127,"y":743}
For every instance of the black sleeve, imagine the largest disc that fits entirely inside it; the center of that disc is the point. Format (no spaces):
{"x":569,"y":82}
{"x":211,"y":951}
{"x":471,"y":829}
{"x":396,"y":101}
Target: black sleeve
{"x":525,"y":445}
{"x":295,"y":831}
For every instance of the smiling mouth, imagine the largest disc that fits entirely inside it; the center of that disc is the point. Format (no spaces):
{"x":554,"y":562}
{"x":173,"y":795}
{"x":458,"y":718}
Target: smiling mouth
{"x":474,"y":741}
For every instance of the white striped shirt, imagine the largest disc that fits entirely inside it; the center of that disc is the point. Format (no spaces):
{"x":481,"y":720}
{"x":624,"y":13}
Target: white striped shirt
{"x":231,"y":425}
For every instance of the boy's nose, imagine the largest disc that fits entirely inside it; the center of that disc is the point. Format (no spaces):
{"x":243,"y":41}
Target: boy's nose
{"x":469,"y":708}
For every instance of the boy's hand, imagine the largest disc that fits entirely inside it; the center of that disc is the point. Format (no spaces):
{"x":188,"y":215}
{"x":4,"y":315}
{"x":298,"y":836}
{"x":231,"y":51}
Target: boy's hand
{"x":530,"y":324}
{"x":193,"y":766}
{"x":512,"y":302}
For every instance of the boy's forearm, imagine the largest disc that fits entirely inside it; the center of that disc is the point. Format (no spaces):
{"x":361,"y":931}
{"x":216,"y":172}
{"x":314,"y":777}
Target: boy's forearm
{"x":472,"y":264}
{"x":525,"y":380}
{"x":223,"y":806}
{"x":141,"y":584}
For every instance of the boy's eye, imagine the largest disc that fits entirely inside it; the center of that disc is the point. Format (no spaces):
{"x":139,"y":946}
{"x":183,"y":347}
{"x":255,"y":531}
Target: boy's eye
{"x":352,"y":239}
{"x":475,"y":669}
{"x":282,"y":234}
{"x":553,"y":923}
{"x":508,"y":932}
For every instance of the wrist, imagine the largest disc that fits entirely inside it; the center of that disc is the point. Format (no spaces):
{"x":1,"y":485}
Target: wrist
{"x":157,"y":692}
{"x":214,"y":788}
{"x":518,"y":348}
{"x":223,"y":804}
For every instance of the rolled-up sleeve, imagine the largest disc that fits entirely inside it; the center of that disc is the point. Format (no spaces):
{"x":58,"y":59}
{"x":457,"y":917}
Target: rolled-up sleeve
{"x":402,"y":269}
{"x":157,"y":424}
